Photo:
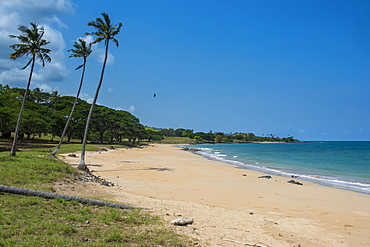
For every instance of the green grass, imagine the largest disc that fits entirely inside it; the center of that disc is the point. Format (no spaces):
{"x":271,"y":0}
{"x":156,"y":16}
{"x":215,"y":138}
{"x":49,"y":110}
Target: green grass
{"x":174,"y":139}
{"x":32,"y":171}
{"x":35,"y":221}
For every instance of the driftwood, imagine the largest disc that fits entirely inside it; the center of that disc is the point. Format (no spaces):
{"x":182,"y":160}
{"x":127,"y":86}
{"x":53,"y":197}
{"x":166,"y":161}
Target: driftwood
{"x":48,"y":195}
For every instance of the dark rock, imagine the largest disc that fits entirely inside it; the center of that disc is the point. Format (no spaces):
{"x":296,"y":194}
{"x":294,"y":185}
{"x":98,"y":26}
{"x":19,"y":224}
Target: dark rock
{"x":72,"y":155}
{"x":294,"y":182}
{"x":89,"y":177}
{"x":268,"y":177}
{"x":192,"y":149}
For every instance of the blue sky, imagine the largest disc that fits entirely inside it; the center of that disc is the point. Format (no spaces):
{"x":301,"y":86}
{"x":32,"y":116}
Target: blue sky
{"x":286,"y":67}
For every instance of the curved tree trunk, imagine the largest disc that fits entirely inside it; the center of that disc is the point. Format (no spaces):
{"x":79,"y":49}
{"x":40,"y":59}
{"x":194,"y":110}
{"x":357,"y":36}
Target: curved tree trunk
{"x":16,"y":132}
{"x":70,"y":115}
{"x":48,"y":195}
{"x":82,"y":165}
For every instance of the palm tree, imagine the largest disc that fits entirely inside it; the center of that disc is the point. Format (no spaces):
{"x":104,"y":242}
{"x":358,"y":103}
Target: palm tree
{"x":81,"y":50}
{"x":105,"y":31}
{"x":31,"y":44}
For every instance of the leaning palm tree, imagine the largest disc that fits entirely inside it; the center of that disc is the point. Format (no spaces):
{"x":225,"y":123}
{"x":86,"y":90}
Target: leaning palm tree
{"x":31,"y":44}
{"x":81,"y":50}
{"x":105,"y":31}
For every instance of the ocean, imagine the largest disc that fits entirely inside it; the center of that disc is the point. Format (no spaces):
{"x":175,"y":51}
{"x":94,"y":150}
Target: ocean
{"x":344,"y":165}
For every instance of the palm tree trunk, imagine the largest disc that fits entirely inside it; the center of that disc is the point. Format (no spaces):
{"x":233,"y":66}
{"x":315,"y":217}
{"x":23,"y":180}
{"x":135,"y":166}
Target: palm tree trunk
{"x":82,"y":165}
{"x":16,"y":132}
{"x":70,"y":115}
{"x":48,"y":195}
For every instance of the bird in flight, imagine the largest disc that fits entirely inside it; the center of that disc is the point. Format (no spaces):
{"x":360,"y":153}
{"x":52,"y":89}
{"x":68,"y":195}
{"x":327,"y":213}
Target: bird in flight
{"x":155,"y":95}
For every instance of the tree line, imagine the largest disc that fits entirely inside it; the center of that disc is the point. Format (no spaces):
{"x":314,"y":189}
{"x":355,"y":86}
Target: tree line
{"x":220,"y":137}
{"x":47,"y":113}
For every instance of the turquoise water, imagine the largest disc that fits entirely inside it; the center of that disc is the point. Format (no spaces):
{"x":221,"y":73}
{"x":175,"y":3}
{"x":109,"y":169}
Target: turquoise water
{"x":343,"y":165}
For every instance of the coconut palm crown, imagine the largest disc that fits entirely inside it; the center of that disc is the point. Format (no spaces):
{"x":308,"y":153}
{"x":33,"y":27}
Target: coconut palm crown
{"x":31,"y":43}
{"x":81,"y":50}
{"x":105,"y":30}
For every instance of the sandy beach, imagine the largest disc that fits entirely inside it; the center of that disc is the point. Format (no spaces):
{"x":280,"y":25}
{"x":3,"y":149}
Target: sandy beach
{"x":230,"y":206}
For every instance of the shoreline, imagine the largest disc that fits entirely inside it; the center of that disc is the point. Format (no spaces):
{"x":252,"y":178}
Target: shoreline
{"x":271,"y":211}
{"x":344,"y":183}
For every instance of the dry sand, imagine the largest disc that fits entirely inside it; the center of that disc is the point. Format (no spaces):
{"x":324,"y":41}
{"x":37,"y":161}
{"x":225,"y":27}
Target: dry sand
{"x":230,"y":206}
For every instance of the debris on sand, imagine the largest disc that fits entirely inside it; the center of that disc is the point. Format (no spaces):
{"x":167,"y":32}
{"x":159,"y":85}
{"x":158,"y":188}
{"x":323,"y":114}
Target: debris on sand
{"x":294,"y":182}
{"x":182,"y":221}
{"x":268,"y":177}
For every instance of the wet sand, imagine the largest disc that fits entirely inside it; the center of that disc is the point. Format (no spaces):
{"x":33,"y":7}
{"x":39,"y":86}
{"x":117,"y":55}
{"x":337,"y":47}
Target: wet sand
{"x":230,"y":206}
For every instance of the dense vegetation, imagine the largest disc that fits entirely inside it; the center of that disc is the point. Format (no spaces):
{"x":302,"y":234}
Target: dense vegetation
{"x":219,"y":137}
{"x":48,"y":112}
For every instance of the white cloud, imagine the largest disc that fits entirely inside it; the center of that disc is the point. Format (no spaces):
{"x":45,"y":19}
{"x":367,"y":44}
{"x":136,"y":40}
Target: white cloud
{"x":18,"y":12}
{"x":99,"y":55}
{"x":46,"y":88}
{"x":13,"y":76}
{"x":301,"y":131}
{"x":345,"y":132}
{"x":132,"y":109}
{"x":40,"y":7}
{"x":86,"y":97}
{"x":88,"y":39}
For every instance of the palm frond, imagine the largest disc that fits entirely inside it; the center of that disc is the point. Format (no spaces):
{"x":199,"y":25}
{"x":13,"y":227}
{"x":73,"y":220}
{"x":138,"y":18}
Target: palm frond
{"x":115,"y":41}
{"x":31,"y":43}
{"x":29,"y":62}
{"x":79,"y":67}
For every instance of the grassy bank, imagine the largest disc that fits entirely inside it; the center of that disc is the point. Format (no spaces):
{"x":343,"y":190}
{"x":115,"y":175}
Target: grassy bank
{"x":34,"y":221}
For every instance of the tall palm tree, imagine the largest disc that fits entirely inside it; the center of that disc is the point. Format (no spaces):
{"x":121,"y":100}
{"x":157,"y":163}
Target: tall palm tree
{"x":81,"y":50}
{"x":31,"y":44}
{"x":105,"y":31}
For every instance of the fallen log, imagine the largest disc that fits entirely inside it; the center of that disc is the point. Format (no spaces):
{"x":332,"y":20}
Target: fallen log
{"x":48,"y":195}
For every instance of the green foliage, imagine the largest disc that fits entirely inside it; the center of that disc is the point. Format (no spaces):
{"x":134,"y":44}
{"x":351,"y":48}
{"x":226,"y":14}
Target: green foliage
{"x":188,"y":133}
{"x":198,"y":139}
{"x":218,"y":138}
{"x":48,"y":112}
